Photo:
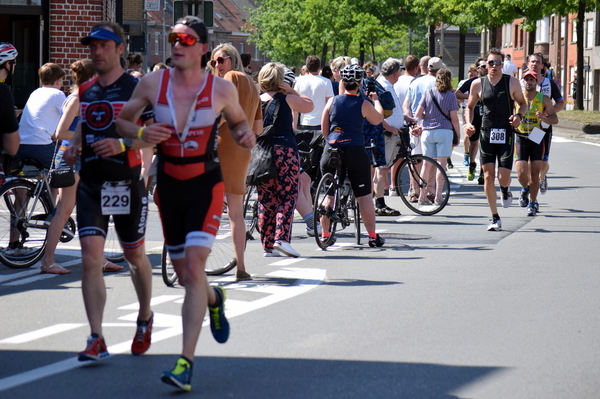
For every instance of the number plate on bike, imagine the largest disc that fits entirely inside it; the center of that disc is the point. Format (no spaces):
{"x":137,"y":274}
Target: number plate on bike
{"x":116,"y":200}
{"x":498,"y":136}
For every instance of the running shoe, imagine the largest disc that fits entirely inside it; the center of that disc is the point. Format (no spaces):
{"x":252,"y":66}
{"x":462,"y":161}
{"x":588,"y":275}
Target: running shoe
{"x":271,"y":254}
{"x":286,"y":248}
{"x":480,"y":179}
{"x":324,"y":240}
{"x":311,"y":232}
{"x":143,"y":336}
{"x":471,"y":173}
{"x":376,"y":242}
{"x":219,"y":326}
{"x":531,"y":210}
{"x":543,"y":186}
{"x":537,"y":207}
{"x":180,"y":376}
{"x":466,"y":159}
{"x":495,"y":225}
{"x":524,"y":198}
{"x":393,"y":192}
{"x":450,"y":164}
{"x":507,"y":199}
{"x":386,"y":211}
{"x":241,"y":275}
{"x":95,"y":350}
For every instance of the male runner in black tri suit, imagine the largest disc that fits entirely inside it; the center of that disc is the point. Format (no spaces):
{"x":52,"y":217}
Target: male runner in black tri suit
{"x":110,"y":185}
{"x":498,"y":94}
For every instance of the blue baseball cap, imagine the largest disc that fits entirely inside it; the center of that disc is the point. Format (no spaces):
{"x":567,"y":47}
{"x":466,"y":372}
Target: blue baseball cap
{"x":101,"y":34}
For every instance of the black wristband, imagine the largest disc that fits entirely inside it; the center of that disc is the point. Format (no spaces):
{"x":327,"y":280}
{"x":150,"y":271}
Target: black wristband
{"x":519,"y":115}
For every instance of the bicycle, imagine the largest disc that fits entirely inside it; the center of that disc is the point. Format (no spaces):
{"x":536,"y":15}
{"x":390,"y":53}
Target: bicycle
{"x":221,"y":259}
{"x":335,"y":202}
{"x":419,"y":173}
{"x":26,"y":209}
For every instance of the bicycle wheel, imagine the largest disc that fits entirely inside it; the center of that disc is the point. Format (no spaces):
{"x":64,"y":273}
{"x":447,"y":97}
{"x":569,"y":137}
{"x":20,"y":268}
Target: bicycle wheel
{"x":23,"y":228}
{"x":354,"y":211}
{"x":251,"y":211}
{"x":222,"y":256}
{"x":324,"y":210}
{"x":422,"y":177}
{"x":112,"y":247}
{"x":69,"y":227}
{"x":169,"y":275}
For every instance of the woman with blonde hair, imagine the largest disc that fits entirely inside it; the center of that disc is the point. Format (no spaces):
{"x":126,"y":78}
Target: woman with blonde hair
{"x":234,"y":159}
{"x":277,"y":197}
{"x":81,"y":71}
{"x":438,"y":117}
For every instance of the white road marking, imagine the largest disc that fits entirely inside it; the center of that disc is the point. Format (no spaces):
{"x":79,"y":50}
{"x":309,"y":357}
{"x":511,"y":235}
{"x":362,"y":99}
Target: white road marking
{"x":153,"y":302}
{"x":307,"y":279}
{"x":41,"y":333}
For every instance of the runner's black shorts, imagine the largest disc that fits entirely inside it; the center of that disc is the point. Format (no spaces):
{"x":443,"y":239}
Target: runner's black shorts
{"x":130,"y":228}
{"x":527,"y":150}
{"x":190,"y":210}
{"x":501,"y":153}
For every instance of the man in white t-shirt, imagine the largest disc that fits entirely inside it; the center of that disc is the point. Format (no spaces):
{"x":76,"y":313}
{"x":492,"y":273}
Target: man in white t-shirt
{"x":41,"y":115}
{"x":390,"y":72}
{"x":509,"y":67}
{"x":318,"y":88}
{"x":411,"y":70}
{"x":416,"y":90}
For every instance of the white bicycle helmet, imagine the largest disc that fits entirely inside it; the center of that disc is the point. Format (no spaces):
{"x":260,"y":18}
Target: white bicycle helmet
{"x":8,"y":52}
{"x":289,"y":77}
{"x":352,"y":73}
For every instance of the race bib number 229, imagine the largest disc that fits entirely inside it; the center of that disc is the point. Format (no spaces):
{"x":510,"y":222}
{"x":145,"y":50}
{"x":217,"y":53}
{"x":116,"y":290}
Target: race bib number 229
{"x":116,"y":200}
{"x":498,"y":136}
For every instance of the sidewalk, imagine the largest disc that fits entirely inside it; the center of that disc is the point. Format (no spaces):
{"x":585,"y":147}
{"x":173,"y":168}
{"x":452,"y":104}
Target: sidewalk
{"x":577,"y":130}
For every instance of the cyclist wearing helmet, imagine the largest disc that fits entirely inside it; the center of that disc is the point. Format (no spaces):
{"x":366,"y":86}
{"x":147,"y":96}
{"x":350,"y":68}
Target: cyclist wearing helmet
{"x":9,"y":126}
{"x":342,"y":124}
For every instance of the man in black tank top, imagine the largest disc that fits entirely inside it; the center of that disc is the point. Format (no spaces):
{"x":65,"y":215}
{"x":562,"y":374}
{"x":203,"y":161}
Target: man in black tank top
{"x":498,"y":94}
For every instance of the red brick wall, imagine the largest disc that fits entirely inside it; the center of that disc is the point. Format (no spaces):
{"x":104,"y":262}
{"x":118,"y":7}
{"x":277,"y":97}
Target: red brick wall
{"x":70,"y":20}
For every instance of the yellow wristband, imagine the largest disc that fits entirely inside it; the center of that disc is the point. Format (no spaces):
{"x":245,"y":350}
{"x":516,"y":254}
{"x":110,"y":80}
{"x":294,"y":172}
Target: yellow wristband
{"x":123,"y":148}
{"x":141,"y":131}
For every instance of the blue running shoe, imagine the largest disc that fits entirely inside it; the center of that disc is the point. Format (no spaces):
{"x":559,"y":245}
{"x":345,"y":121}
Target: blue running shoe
{"x":219,"y":326}
{"x":180,"y":376}
{"x":466,"y":160}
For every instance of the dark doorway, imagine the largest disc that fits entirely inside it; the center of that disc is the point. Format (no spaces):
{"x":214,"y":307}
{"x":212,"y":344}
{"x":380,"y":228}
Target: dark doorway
{"x":25,"y":36}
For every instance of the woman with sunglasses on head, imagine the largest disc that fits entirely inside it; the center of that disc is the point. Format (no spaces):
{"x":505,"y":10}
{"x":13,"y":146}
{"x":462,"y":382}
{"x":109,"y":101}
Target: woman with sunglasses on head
{"x":227,"y":64}
{"x":277,"y":197}
{"x":498,"y":94}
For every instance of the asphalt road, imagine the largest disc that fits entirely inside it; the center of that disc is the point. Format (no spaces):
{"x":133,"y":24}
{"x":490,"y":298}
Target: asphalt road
{"x":444,"y":310}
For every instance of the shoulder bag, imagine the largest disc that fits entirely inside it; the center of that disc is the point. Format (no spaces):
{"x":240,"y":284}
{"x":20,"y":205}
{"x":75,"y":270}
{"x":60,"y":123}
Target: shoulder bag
{"x":60,"y":175}
{"x":455,"y":138}
{"x":261,"y":167}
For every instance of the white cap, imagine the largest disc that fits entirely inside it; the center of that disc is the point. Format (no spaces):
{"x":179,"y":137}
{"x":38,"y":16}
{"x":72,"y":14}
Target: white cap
{"x":435,"y":63}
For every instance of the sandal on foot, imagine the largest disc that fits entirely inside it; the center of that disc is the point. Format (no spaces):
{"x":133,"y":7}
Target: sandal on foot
{"x":111,"y":267}
{"x":242,"y":275}
{"x":53,"y":269}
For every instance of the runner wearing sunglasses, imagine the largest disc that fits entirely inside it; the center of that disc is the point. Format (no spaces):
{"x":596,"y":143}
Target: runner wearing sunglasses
{"x":188,"y":104}
{"x":498,"y":94}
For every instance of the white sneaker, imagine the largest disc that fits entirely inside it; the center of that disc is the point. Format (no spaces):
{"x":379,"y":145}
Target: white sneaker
{"x":286,"y":248}
{"x":274,"y":254}
{"x":311,"y":232}
{"x":507,"y":202}
{"x":393,"y":192}
{"x":495,"y":225}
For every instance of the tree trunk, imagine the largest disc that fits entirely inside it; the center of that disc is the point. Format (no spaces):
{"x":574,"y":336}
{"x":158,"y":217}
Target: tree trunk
{"x":324,"y":60}
{"x":431,"y":46}
{"x":531,"y":42}
{"x":493,"y":37}
{"x":362,"y":53}
{"x":333,"y":50}
{"x":373,"y":52}
{"x":581,"y":89}
{"x":462,"y":40}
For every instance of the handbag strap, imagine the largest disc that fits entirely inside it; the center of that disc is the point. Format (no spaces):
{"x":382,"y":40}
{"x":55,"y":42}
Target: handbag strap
{"x":276,"y":108}
{"x":438,"y":105}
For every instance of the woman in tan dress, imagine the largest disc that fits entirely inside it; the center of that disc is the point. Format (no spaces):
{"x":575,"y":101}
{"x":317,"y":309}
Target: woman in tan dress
{"x":234,"y":159}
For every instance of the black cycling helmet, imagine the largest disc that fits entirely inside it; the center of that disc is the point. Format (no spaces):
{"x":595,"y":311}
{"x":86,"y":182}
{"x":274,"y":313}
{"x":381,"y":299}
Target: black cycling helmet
{"x":352,"y":73}
{"x":289,"y":77}
{"x":8,"y":52}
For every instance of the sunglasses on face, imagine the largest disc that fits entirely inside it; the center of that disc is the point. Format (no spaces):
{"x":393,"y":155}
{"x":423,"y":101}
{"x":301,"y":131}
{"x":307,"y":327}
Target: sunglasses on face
{"x":494,"y":63}
{"x":482,"y":66}
{"x":219,"y":60}
{"x":183,"y":38}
